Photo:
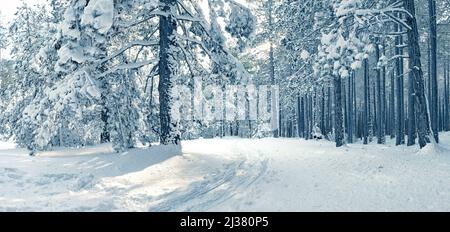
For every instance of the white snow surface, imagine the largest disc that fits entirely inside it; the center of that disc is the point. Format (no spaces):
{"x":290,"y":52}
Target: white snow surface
{"x":230,"y":174}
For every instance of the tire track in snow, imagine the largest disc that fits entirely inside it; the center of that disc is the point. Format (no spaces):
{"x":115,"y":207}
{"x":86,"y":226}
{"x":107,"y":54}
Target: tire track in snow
{"x":216,"y":188}
{"x":243,"y":183}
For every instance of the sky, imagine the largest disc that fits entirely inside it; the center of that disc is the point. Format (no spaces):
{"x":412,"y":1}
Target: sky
{"x":7,"y":11}
{"x":8,"y":8}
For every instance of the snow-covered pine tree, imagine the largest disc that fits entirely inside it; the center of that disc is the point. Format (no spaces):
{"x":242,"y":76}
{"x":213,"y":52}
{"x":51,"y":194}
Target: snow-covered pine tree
{"x":293,"y":55}
{"x":3,"y":38}
{"x":82,"y":109}
{"x":77,"y":110}
{"x":28,"y":32}
{"x":343,"y":49}
{"x":193,"y":34}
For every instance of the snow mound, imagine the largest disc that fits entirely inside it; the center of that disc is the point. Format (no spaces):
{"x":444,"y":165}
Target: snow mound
{"x":99,"y":14}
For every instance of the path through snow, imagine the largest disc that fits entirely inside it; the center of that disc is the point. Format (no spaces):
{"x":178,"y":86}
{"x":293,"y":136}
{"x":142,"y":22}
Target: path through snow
{"x":229,"y":175}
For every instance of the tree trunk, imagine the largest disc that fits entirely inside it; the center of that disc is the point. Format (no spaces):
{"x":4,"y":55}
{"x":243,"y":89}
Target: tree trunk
{"x":329,"y":113}
{"x":380,"y":120}
{"x":445,"y":100}
{"x":344,"y":105}
{"x":411,"y":112}
{"x":375,"y":110}
{"x":338,"y":114}
{"x":365,"y":120}
{"x":384,"y":99}
{"x":369,"y":113}
{"x":169,"y":129}
{"x":417,"y":73}
{"x":434,"y":107}
{"x":434,"y":88}
{"x":300,"y":116}
{"x":355,"y":106}
{"x":400,"y":137}
{"x":392,"y":107}
{"x":275,"y":132}
{"x":350,"y":109}
{"x":322,"y":112}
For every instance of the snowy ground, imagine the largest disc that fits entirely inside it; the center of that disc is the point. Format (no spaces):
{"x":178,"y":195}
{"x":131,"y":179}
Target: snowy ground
{"x":229,"y":175}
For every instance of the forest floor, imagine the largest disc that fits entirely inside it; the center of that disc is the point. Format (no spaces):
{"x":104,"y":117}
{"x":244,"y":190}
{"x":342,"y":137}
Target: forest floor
{"x":229,"y":174}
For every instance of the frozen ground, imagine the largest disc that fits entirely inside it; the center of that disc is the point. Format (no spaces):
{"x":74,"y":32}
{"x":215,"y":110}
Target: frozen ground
{"x":229,"y":175}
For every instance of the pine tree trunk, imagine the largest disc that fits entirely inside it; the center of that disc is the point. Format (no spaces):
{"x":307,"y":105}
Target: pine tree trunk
{"x":411,"y":112}
{"x":392,"y":107}
{"x":375,"y":110}
{"x":355,"y":106}
{"x":169,"y":132}
{"x":365,"y":120}
{"x":322,"y":112}
{"x":310,"y":117}
{"x":441,"y":113}
{"x":434,"y":88}
{"x":445,"y":100}
{"x":307,"y":119}
{"x":304,"y":117}
{"x":384,"y":114}
{"x":350,"y":109}
{"x":344,"y":104}
{"x":272,"y":79}
{"x":380,"y":136}
{"x":416,"y":72}
{"x":429,"y":72}
{"x":338,"y":114}
{"x":400,"y":137}
{"x":329,"y":113}
{"x":299,"y":117}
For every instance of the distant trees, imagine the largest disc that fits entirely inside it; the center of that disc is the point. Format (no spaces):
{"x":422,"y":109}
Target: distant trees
{"x":358,"y":37}
{"x":3,"y":38}
{"x":3,"y":45}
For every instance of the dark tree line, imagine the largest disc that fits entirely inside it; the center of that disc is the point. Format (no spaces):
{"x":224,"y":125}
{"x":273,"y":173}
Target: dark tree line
{"x":371,"y":102}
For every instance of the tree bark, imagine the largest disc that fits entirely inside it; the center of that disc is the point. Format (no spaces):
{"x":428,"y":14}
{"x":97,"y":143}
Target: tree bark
{"x":400,"y":137}
{"x":417,"y":73}
{"x":338,"y":114}
{"x":350,"y":109}
{"x":434,"y":108}
{"x":169,"y":128}
{"x":411,"y":112}
{"x":392,"y":107}
{"x":365,"y":120}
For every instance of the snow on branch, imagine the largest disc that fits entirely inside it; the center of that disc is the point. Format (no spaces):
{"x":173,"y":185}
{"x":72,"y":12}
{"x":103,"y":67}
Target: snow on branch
{"x":347,"y":9}
{"x":134,"y":65}
{"x":130,"y":45}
